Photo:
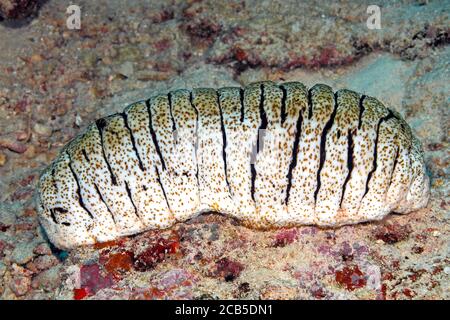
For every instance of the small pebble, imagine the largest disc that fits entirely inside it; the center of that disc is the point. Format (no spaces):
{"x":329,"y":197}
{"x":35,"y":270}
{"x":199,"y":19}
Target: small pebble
{"x":42,"y":263}
{"x":31,"y":152}
{"x":126,"y":69}
{"x":21,"y":136}
{"x":436,"y":233}
{"x":2,"y":269}
{"x":20,"y":285}
{"x":22,"y":253}
{"x":48,"y":280}
{"x":2,"y":159}
{"x":78,"y":120}
{"x":43,"y":249}
{"x":42,"y":130}
{"x":35,"y":58}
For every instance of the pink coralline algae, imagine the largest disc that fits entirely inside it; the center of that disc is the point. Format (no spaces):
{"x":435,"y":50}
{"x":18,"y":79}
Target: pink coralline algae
{"x":92,"y":280}
{"x":285,"y":237}
{"x":228,"y":269}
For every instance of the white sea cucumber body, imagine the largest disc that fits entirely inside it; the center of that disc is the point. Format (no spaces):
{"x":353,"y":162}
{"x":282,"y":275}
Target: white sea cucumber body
{"x":269,"y":155}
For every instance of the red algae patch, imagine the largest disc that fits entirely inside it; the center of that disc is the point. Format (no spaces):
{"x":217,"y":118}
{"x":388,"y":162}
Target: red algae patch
{"x":392,"y":233}
{"x":285,"y":237}
{"x":351,"y":277}
{"x":93,"y":280}
{"x":155,"y":253}
{"x":228,"y":269}
{"x":81,"y":293}
{"x":118,"y":263}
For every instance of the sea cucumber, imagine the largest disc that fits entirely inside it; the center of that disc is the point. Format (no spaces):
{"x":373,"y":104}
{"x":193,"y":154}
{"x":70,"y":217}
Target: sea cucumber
{"x":269,"y":155}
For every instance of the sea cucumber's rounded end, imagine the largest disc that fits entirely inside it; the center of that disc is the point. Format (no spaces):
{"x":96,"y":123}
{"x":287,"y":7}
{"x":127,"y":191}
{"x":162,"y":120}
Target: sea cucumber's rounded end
{"x":63,"y":224}
{"x":419,"y":190}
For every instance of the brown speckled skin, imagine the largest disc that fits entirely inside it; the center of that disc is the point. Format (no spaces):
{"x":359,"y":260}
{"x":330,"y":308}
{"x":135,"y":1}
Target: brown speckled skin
{"x":325,"y":158}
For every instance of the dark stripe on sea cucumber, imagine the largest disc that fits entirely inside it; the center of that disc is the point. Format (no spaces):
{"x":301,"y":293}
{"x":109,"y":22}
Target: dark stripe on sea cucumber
{"x":53,"y":216}
{"x":54,"y":181}
{"x":133,"y":141}
{"x":253,"y":172}
{"x":349,"y":163}
{"x":131,"y":199}
{"x":169,"y":98}
{"x":262,"y":126}
{"x":283,"y":104}
{"x":58,"y":210}
{"x":263,"y":117}
{"x":361,"y":110}
{"x":104,"y":202}
{"x":80,"y":198}
{"x":153,"y":135}
{"x":293,"y":163}
{"x":375,"y":152}
{"x":310,"y":104}
{"x":394,"y":166}
{"x":224,"y":142}
{"x":323,"y":140}
{"x":101,"y":124}
{"x":158,"y":179}
{"x":85,"y":155}
{"x":191,"y":101}
{"x":241,"y":99}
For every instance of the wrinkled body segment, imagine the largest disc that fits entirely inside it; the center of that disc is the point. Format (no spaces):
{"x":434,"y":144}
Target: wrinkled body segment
{"x":269,"y":155}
